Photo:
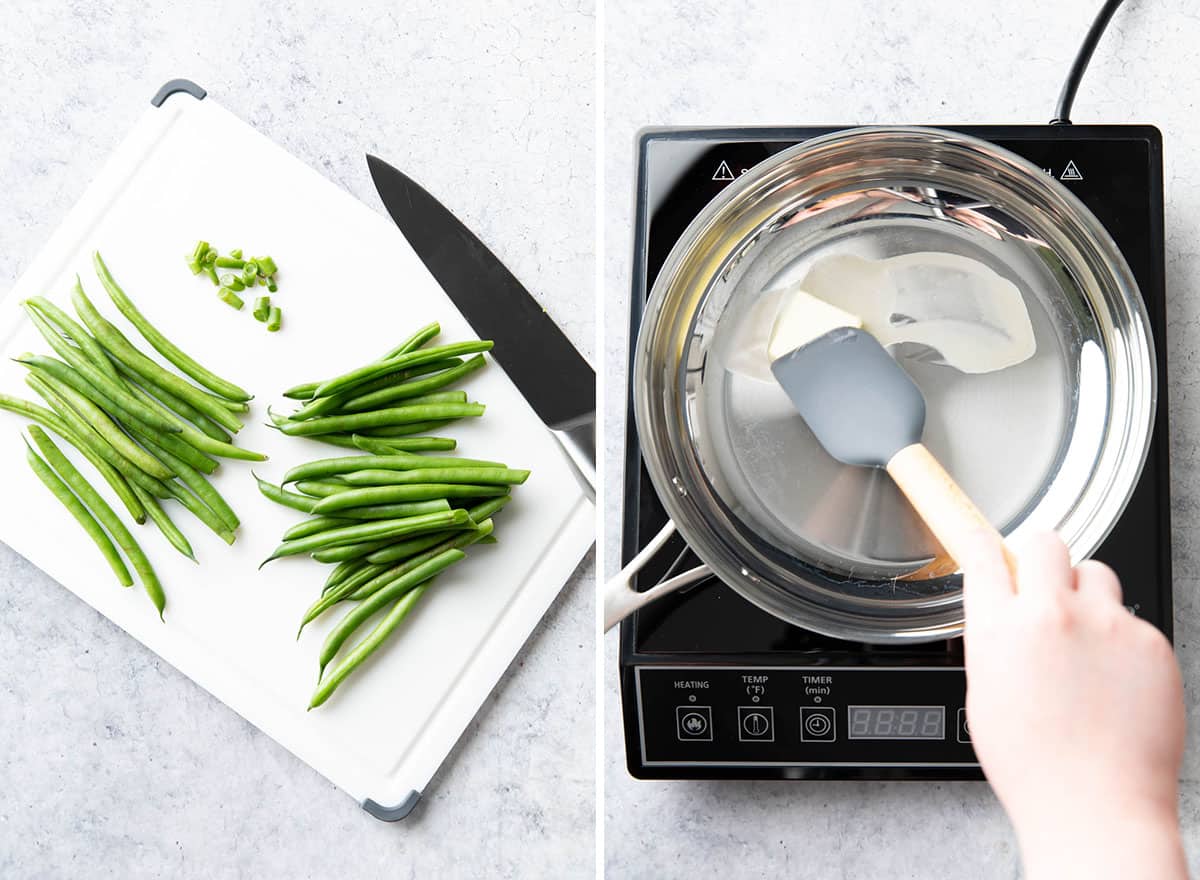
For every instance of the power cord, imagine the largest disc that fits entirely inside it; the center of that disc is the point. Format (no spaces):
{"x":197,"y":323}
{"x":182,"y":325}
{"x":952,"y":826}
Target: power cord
{"x":1066,"y":99}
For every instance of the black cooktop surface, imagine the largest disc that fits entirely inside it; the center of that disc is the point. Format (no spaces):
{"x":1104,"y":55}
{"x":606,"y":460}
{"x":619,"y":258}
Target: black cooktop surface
{"x":1117,"y":172}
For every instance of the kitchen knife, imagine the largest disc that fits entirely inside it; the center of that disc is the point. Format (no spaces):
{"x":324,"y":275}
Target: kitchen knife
{"x":550,"y":373}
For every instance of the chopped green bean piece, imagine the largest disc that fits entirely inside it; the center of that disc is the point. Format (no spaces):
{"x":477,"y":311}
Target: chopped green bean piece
{"x":230,"y":263}
{"x":230,"y":298}
{"x":266,"y":266}
{"x":262,"y":308}
{"x":236,"y":253}
{"x":274,"y":319}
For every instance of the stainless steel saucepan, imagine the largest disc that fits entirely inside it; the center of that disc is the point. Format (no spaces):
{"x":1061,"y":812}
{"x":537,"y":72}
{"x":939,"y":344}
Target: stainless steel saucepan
{"x":1056,"y":441}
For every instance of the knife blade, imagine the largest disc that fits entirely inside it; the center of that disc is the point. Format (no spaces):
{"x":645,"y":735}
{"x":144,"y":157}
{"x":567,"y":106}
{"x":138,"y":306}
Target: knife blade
{"x":543,"y":364}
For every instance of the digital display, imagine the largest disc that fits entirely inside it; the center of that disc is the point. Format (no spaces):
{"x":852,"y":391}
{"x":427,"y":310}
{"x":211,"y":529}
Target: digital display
{"x":897,"y":722}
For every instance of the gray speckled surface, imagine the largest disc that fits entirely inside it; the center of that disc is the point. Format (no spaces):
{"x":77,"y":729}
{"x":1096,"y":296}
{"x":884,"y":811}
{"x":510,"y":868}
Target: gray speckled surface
{"x":110,"y":761}
{"x":860,"y":61}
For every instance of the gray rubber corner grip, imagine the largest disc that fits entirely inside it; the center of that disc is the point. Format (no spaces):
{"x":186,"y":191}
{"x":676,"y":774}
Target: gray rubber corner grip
{"x":392,"y":814}
{"x":172,"y":86}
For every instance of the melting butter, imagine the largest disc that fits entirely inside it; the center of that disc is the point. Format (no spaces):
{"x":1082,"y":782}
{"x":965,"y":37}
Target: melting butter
{"x":965,"y":314}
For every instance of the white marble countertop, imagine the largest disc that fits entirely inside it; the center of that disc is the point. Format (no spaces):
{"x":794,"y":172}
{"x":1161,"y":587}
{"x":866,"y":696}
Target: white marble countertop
{"x":130,"y":770}
{"x":863,"y":61}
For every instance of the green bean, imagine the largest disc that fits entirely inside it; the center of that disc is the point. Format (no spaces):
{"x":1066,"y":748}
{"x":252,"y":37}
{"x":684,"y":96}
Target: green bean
{"x":262,"y":308}
{"x":194,"y":480}
{"x":392,"y":528}
{"x":175,"y":404}
{"x":449,"y":541}
{"x":121,"y":349}
{"x":421,"y":356}
{"x":325,"y":405}
{"x":401,"y":415}
{"x":174,"y":444}
{"x":51,"y":321}
{"x":437,"y":397}
{"x":363,"y":573}
{"x":376,"y":399}
{"x":425,"y":334}
{"x":230,"y":262}
{"x":403,"y":549}
{"x":90,"y":382}
{"x":343,"y":571}
{"x":329,"y":467}
{"x":393,"y":446}
{"x":51,"y":420}
{"x":88,"y":439}
{"x":82,"y":516}
{"x":92,"y":500}
{"x":288,"y":499}
{"x":319,"y":489}
{"x":302,"y":392}
{"x":394,"y":431}
{"x":161,"y":344}
{"x":232,"y":282}
{"x":313,"y":526}
{"x":202,"y":512}
{"x":165,"y":525}
{"x":274,"y":319}
{"x":477,"y":476}
{"x":393,"y":494}
{"x":368,"y":645}
{"x":207,"y":444}
{"x":382,"y":597}
{"x":106,"y":427}
{"x":266,"y":266}
{"x":350,"y":551}
{"x":394,"y":511}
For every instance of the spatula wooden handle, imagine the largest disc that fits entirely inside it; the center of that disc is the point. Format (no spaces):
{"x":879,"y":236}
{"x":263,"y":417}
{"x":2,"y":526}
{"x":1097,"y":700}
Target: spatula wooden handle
{"x":941,"y":503}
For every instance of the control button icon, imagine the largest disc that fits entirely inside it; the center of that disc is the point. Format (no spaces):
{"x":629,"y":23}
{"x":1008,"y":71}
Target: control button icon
{"x":756,"y":723}
{"x":694,"y":723}
{"x":964,"y":729}
{"x":818,"y":724}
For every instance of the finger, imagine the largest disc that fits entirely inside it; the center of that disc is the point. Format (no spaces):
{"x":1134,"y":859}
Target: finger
{"x":1043,"y":566}
{"x":1095,"y":580}
{"x":987,"y":581}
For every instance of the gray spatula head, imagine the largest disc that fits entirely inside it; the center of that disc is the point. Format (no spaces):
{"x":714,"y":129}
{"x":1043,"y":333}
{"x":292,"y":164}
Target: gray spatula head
{"x":860,"y":404}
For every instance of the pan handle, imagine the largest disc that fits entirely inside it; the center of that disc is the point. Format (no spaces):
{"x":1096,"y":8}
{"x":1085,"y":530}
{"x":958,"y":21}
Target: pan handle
{"x":621,"y":599}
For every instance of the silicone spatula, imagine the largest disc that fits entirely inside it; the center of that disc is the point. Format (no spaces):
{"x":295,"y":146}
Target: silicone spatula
{"x":865,"y":410}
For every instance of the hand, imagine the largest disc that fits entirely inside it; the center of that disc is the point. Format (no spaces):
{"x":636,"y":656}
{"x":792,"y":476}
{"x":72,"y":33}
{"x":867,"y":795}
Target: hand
{"x":1076,"y":714}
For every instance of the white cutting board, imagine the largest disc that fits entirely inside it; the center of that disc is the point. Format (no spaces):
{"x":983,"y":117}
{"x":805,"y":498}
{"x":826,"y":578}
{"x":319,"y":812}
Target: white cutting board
{"x":350,"y":288}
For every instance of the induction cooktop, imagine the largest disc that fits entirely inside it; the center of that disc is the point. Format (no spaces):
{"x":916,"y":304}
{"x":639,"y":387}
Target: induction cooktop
{"x":714,"y":687}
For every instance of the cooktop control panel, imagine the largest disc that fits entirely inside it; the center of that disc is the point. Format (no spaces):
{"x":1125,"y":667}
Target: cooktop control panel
{"x":811,"y":717}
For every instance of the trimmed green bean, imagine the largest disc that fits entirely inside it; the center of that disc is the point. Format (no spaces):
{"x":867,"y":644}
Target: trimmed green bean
{"x":392,"y":528}
{"x":320,"y":406}
{"x":121,"y":349}
{"x":376,"y":399}
{"x":280,"y":496}
{"x":450,"y":541}
{"x":394,"y":511}
{"x":394,"y":431}
{"x":104,"y":513}
{"x":161,"y":344}
{"x":395,"y":445}
{"x":100,"y":422}
{"x":313,"y":526}
{"x":476,"y":476}
{"x":205,"y":491}
{"x":330,"y":467}
{"x":350,"y":551}
{"x":392,"y":494}
{"x":305,"y":391}
{"x":403,"y":549}
{"x":320,"y":489}
{"x":426,"y":334}
{"x":382,"y":597}
{"x":362,"y":573}
{"x":380,"y":418}
{"x":79,"y":511}
{"x":365,"y":374}
{"x":170,"y":442}
{"x":160,"y":518}
{"x":368,"y":645}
